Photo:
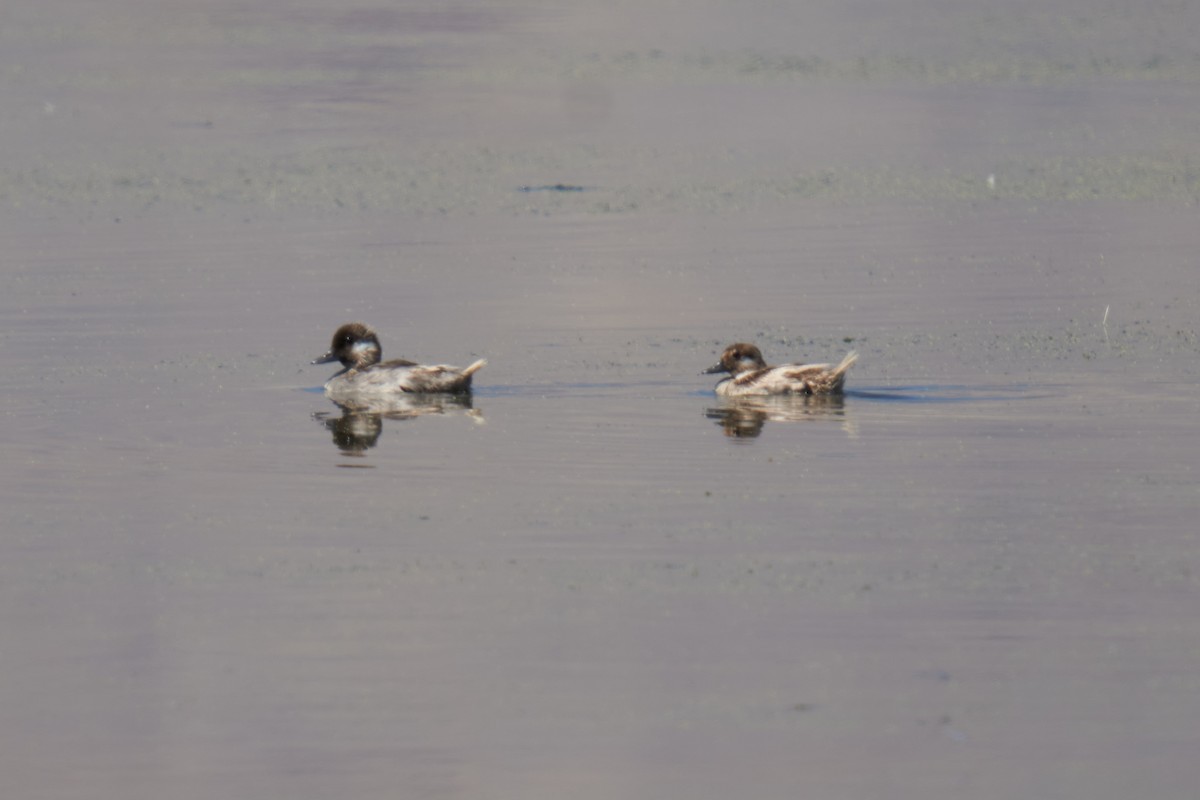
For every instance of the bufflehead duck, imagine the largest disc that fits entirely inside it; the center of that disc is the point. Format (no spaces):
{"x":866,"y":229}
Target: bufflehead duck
{"x":750,"y":375}
{"x":364,"y":379}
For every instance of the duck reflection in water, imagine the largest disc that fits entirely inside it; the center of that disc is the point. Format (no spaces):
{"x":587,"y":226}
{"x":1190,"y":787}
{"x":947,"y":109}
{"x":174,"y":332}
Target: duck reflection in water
{"x":745,"y":417}
{"x":359,"y":426}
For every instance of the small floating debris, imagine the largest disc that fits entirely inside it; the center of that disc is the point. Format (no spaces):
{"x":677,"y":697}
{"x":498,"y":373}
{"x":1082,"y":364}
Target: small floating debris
{"x":553,"y":187}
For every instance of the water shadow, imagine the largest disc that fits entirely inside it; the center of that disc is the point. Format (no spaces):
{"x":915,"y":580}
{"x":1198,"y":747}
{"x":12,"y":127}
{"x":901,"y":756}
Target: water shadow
{"x":358,"y":428}
{"x":745,"y":417}
{"x":932,"y":394}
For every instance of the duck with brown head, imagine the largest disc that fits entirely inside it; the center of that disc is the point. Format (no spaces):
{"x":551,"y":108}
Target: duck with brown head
{"x":749,"y":374}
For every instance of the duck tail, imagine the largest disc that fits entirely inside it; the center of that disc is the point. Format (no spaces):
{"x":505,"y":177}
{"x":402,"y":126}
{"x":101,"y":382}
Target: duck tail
{"x":838,"y":374}
{"x":471,"y":370}
{"x":847,"y":362}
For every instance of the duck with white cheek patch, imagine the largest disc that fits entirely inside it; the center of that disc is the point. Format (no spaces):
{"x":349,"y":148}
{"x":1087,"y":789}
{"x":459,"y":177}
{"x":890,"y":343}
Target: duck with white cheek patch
{"x":364,"y":378}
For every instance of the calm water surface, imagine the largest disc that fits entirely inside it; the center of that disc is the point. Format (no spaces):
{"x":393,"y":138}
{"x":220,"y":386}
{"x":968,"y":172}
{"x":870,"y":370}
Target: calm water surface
{"x":975,"y":575}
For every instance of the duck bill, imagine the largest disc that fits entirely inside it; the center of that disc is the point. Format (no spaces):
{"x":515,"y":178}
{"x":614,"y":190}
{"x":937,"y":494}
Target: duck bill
{"x":713,"y":369}
{"x":325,"y":359}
